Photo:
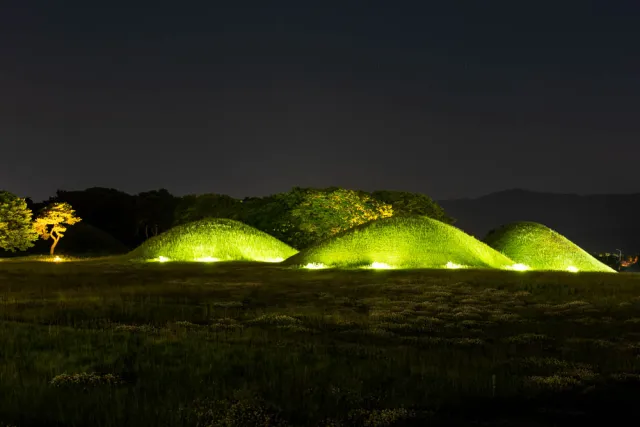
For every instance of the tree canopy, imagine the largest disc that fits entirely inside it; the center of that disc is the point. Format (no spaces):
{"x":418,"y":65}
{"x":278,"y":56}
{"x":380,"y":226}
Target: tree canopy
{"x":323,"y":214}
{"x":52,"y":221}
{"x":196,"y":207}
{"x":412,"y":204}
{"x":154,"y":211}
{"x":299,"y":217}
{"x":16,"y":228}
{"x":105,"y":208}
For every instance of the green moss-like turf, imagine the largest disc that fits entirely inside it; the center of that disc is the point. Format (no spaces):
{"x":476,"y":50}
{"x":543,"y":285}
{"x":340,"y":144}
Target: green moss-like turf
{"x":541,"y":248}
{"x":224,"y":239}
{"x":416,"y":242}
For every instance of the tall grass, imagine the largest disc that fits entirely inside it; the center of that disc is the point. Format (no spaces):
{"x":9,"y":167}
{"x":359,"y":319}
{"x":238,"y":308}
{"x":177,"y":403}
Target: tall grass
{"x":541,"y":248}
{"x":214,"y":239}
{"x":416,"y":242}
{"x":245,"y":344}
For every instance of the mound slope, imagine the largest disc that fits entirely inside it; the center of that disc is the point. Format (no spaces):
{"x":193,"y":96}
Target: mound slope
{"x":542,"y":248}
{"x":414,"y":242}
{"x":214,"y":239}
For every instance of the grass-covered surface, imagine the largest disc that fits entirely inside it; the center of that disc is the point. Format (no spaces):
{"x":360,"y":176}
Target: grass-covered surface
{"x":415,"y":242}
{"x":214,"y":239}
{"x":541,"y":248}
{"x":245,"y":344}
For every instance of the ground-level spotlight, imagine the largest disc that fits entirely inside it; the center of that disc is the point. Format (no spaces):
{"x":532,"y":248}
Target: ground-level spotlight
{"x":519,"y":267}
{"x":315,"y":266}
{"x":208,"y":259}
{"x":380,"y":266}
{"x":453,"y":265}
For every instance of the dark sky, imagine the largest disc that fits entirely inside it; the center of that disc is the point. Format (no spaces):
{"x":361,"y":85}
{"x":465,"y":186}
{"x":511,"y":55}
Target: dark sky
{"x":448,"y":98}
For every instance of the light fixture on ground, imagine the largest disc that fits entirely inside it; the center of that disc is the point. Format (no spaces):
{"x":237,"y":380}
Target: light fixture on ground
{"x":453,"y":265}
{"x":519,"y":267}
{"x":314,"y":266}
{"x":380,"y":266}
{"x":208,"y":259}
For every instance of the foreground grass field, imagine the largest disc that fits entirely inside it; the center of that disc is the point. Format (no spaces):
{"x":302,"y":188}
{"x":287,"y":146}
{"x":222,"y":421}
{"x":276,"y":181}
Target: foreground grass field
{"x":102,"y":343}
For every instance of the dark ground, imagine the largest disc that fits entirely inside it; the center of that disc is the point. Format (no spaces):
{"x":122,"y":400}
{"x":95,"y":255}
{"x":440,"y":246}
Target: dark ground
{"x":109,"y":343}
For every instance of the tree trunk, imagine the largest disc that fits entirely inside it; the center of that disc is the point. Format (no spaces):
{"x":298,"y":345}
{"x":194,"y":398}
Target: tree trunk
{"x":55,"y":242}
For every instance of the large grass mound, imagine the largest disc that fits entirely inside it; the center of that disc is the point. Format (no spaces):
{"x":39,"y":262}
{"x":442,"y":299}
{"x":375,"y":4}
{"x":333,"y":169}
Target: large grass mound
{"x":541,"y":248}
{"x":214,"y":239}
{"x":415,"y":242}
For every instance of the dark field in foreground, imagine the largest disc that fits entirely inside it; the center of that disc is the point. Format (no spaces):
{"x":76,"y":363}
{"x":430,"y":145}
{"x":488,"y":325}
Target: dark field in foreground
{"x":115,"y":344}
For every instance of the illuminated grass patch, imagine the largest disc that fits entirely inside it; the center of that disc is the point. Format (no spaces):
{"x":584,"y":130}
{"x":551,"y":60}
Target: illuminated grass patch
{"x":213,"y":240}
{"x":314,"y":266}
{"x":540,"y":248}
{"x":519,"y":267}
{"x":400,"y":243}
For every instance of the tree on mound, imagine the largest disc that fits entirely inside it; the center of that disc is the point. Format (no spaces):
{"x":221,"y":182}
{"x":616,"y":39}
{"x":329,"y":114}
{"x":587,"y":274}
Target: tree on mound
{"x":412,"y":204}
{"x":324,"y":214}
{"x":541,"y":248}
{"x":404,"y":242}
{"x":214,"y":239}
{"x":304,"y":216}
{"x":85,"y":239}
{"x":196,"y":207}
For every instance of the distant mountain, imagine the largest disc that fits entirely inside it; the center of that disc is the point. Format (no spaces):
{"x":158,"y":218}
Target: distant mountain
{"x":598,"y":223}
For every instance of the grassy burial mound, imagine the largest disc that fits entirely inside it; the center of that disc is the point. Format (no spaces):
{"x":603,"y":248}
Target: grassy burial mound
{"x":541,"y":248}
{"x":85,"y":239}
{"x":414,"y":242}
{"x":211,"y":240}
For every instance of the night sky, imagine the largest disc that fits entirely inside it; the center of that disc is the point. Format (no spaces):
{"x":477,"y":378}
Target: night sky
{"x":448,"y":98}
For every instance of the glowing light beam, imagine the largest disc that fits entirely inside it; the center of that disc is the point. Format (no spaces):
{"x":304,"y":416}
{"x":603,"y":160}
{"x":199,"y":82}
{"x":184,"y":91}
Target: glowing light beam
{"x":519,"y":267}
{"x":315,"y":266}
{"x":208,"y":259}
{"x":380,"y":266}
{"x":453,"y":265}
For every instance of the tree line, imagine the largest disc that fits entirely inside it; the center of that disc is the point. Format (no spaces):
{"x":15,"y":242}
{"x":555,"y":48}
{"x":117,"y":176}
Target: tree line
{"x":299,"y":217}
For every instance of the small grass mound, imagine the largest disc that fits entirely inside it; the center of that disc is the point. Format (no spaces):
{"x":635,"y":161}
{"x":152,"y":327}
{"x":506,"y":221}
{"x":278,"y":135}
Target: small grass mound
{"x":541,"y":248}
{"x":213,"y":239}
{"x":415,"y":242}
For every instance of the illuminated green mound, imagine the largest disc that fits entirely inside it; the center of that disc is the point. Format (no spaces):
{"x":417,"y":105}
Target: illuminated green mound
{"x":212,"y":240}
{"x":541,"y":248}
{"x":415,"y":242}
